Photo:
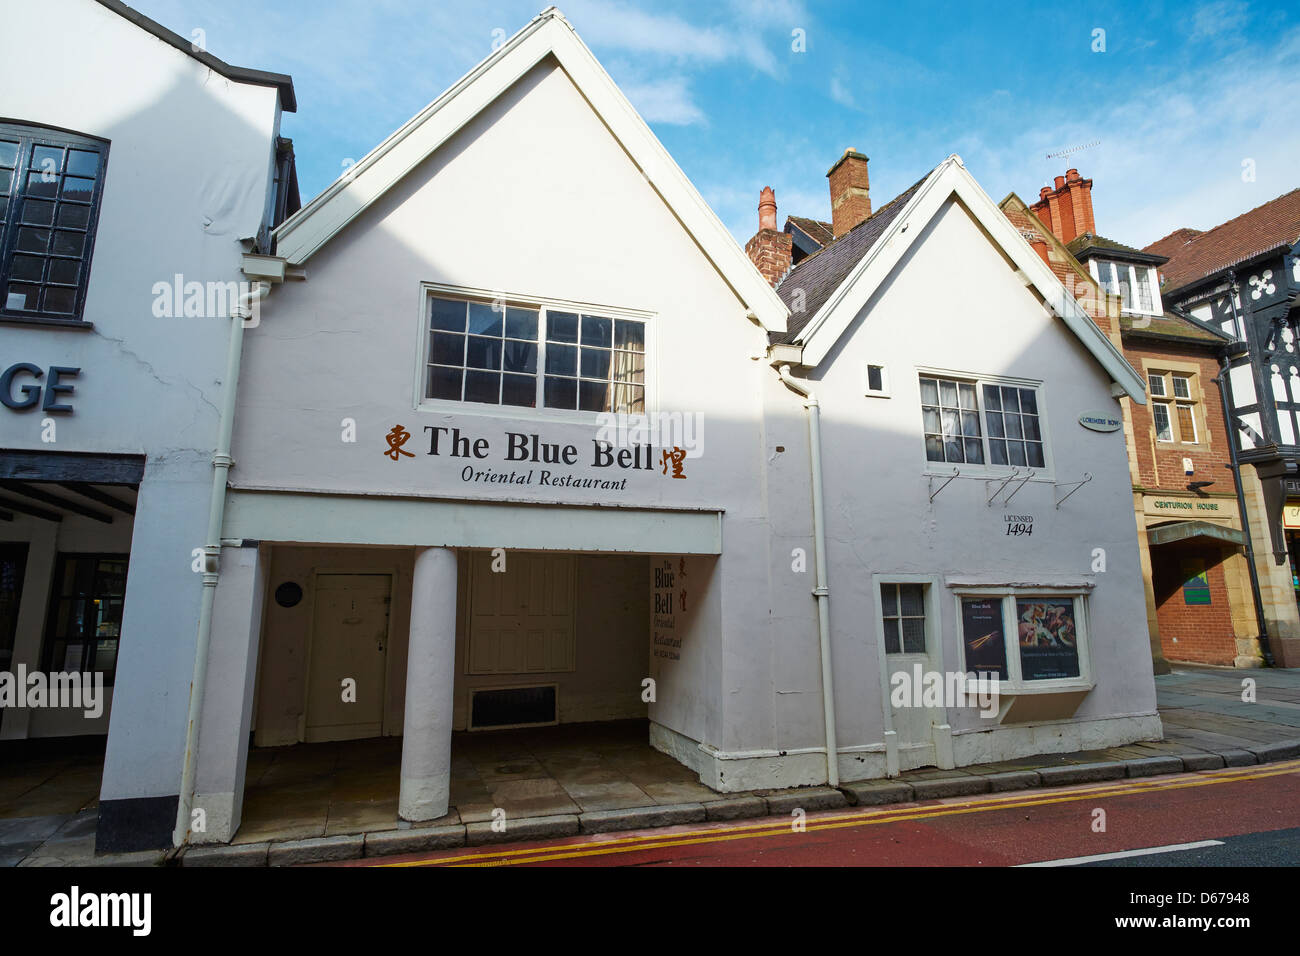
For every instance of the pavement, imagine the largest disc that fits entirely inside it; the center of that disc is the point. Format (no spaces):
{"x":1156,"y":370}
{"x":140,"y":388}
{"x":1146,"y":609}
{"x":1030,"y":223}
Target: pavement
{"x":328,"y":808}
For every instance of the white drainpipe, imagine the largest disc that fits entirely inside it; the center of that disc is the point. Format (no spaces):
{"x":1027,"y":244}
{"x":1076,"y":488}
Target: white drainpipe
{"x":221,"y":462}
{"x":821,"y":591}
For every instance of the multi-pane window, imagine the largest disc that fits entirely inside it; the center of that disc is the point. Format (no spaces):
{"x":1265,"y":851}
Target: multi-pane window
{"x":531,"y":357}
{"x":902,"y":610}
{"x":1024,"y":637}
{"x":1133,"y":284}
{"x":951,"y":412}
{"x":1174,"y":421}
{"x":1014,"y":434}
{"x":50,"y":186}
{"x":85,"y":618}
{"x":951,"y":419}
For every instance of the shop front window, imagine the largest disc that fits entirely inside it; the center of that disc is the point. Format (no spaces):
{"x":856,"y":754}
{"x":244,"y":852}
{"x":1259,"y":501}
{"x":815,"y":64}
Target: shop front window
{"x":85,"y":618}
{"x":1027,"y":638}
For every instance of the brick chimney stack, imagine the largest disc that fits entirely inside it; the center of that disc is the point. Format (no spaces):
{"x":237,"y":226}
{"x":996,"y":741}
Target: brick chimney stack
{"x":850,"y":192}
{"x":770,"y":249}
{"x":1066,"y":209}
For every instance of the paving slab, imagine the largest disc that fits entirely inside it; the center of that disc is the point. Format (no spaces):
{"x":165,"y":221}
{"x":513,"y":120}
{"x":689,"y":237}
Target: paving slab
{"x":872,"y":793}
{"x":807,"y":799}
{"x":1013,"y":780}
{"x":949,"y":783}
{"x":1081,"y":773}
{"x":735,"y":808}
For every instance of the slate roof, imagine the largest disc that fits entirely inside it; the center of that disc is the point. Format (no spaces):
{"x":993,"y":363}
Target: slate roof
{"x":1171,"y":326}
{"x":1086,"y":245}
{"x":819,"y":232}
{"x":824,"y":271}
{"x":1201,"y":254}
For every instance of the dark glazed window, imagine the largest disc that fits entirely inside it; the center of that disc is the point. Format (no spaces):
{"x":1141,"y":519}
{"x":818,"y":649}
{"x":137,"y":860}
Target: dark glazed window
{"x":50,"y":187}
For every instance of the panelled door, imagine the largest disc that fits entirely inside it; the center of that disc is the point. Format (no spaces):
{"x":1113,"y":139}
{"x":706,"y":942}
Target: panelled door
{"x":521,"y":619}
{"x":349,"y":640}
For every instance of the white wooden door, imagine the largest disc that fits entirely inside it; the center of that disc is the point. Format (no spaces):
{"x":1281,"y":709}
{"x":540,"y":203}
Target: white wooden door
{"x":521,"y":618}
{"x":911,"y":655}
{"x":349,"y":641}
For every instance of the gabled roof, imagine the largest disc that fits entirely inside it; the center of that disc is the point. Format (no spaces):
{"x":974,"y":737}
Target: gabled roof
{"x":281,"y":81}
{"x":815,"y":279}
{"x":855,"y":265}
{"x":549,"y":34}
{"x":1087,"y":245}
{"x":1274,"y":225}
{"x":819,"y":232}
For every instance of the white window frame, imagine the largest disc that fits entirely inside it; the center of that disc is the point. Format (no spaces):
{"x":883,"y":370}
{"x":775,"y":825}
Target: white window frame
{"x":1191,"y":407}
{"x":1148,"y":276}
{"x":432,"y":290}
{"x":927,"y":626}
{"x":944,"y":468}
{"x":1152,"y":378}
{"x":1171,"y":401}
{"x":1169,"y":422}
{"x":1015,"y":682}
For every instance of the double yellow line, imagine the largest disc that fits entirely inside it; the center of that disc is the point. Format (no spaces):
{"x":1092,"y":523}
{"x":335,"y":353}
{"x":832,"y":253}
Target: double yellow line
{"x":838,"y":820}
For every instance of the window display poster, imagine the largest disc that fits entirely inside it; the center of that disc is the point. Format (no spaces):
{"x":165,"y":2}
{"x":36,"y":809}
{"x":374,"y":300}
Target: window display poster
{"x":982,"y":635}
{"x":1196,"y":584}
{"x":1048,"y":643}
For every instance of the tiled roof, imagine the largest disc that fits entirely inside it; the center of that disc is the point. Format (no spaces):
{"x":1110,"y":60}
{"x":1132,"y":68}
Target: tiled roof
{"x":1166,"y":246}
{"x":1170,"y":326}
{"x":1198,"y":255}
{"x":1087,"y":244}
{"x":819,"y":275}
{"x":816,"y":230}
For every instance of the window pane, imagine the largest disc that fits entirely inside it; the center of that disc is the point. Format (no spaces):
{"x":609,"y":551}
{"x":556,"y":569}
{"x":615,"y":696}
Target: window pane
{"x":78,"y":189}
{"x":448,"y":315}
{"x":40,"y":186}
{"x":970,"y":424}
{"x":483,"y":352}
{"x":930,"y":418}
{"x":997,"y":452}
{"x":889,"y":600}
{"x":597,"y":331}
{"x":38,"y":213}
{"x":929,"y":391}
{"x":520,"y":356}
{"x":992,"y":398}
{"x":484,"y":319}
{"x":1156,"y":383}
{"x":1031,"y":427}
{"x":593,"y":396}
{"x":20,"y":296}
{"x":1010,"y":399}
{"x":64,"y":271}
{"x":447,"y":349}
{"x":948,"y":394}
{"x":1012,"y":423}
{"x":913,"y":635}
{"x":6,"y":181}
{"x":519,"y":390}
{"x":1048,"y":644}
{"x":47,"y":158}
{"x":8,"y":153}
{"x":74,"y":217}
{"x":875,"y":378}
{"x":31,"y":239}
{"x":521,"y":324}
{"x":445,"y":383}
{"x":974,"y":451}
{"x":68,"y":243}
{"x":912,"y":599}
{"x":629,"y":335}
{"x":560,"y":392}
{"x":1145,"y":302}
{"x":1016,"y":452}
{"x":82,"y":162}
{"x":58,"y":299}
{"x":1182,"y":388}
{"x":933,"y":448}
{"x":629,"y":398}
{"x":27,"y":267}
{"x":561,"y":327}
{"x":996,"y":427}
{"x":1028,"y":401}
{"x":595,"y":363}
{"x":483,"y":387}
{"x":952,"y":450}
{"x":629,"y":367}
{"x":562,"y":359}
{"x":891,"y":636}
{"x":1034,"y":453}
{"x":966,"y":394}
{"x":1160,"y":414}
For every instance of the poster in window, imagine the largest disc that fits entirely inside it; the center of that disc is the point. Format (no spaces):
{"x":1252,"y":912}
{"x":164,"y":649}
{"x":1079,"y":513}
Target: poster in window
{"x":1196,"y":584}
{"x":981,"y":629}
{"x":1048,"y":641}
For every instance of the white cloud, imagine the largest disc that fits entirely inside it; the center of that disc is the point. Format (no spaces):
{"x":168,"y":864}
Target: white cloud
{"x":1213,"y":20}
{"x":665,"y":101}
{"x":841,"y":94}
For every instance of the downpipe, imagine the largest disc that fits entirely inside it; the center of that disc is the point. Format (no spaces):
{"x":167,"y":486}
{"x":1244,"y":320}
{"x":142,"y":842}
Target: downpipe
{"x":821,"y":592}
{"x":221,"y":462}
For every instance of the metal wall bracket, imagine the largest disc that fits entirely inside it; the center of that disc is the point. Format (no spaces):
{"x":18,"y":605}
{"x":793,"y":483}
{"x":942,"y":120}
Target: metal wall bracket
{"x":1077,"y":485}
{"x":935,"y":491}
{"x":1029,"y":473}
{"x":1015,"y":473}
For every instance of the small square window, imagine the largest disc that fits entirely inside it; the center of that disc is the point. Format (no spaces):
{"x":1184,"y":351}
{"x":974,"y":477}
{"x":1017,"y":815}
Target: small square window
{"x":1160,"y":414}
{"x":1157,"y":383}
{"x":1182,"y":387}
{"x":902,"y":611}
{"x":877,"y":382}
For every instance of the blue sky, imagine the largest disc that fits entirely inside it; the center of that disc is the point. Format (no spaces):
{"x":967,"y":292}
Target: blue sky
{"x":1183,"y":100}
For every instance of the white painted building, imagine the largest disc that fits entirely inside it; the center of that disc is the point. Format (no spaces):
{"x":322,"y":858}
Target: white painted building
{"x":431,"y":526}
{"x":132,"y":164}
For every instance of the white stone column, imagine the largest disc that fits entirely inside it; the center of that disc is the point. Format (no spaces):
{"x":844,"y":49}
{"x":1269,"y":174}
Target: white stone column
{"x":430,"y":669}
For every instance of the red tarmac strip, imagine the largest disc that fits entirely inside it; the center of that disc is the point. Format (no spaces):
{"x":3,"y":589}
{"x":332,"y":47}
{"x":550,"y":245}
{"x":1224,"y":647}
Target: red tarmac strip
{"x":992,"y":830}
